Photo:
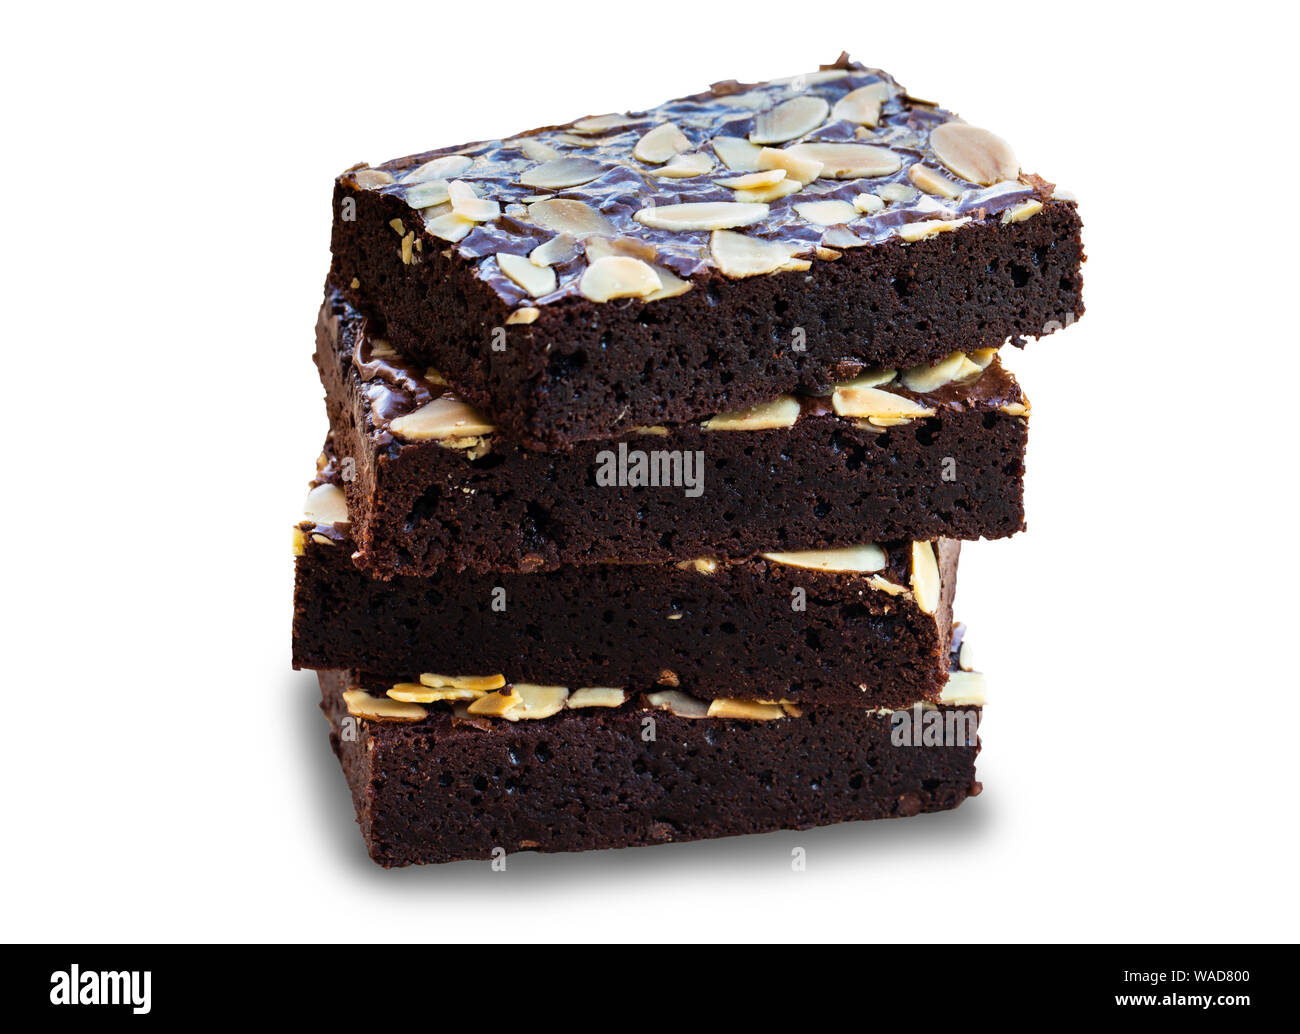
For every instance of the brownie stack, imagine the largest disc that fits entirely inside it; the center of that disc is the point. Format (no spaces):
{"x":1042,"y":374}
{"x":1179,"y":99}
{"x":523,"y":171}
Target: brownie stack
{"x":653,"y":438}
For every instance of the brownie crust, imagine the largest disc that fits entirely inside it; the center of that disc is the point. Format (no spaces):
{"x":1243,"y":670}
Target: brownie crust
{"x":735,"y":632}
{"x":443,"y":789}
{"x":417,"y":507}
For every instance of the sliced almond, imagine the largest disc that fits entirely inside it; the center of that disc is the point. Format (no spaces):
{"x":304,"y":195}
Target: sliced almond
{"x":805,"y":170}
{"x":371,"y":179}
{"x":361,"y":704}
{"x":562,"y":172}
{"x":873,"y":403}
{"x":558,"y":249}
{"x":477,"y":683}
{"x":535,"y":702}
{"x":670,"y":285}
{"x":925,"y":577}
{"x":751,"y":710}
{"x":974,"y":154}
{"x":1015,"y":408}
{"x":602,"y":124}
{"x":780,"y":412}
{"x":597,"y":696}
{"x":982,"y":357}
{"x":826,"y":213}
{"x":873,"y":378}
{"x":661,"y":144}
{"x":886,"y":586}
{"x":919,"y":231}
{"x":442,"y":418}
{"x":450,"y":227}
{"x":525,"y":315}
{"x":1021,"y":212}
{"x":929,"y":378}
{"x":578,"y":140}
{"x":752,"y":180}
{"x":849,"y":161}
{"x":495,"y":705}
{"x":862,"y":105}
{"x":896,"y":192}
{"x":789,"y":119}
{"x":702,"y":215}
{"x":933,"y":182}
{"x":618,"y":276}
{"x":737,"y":155}
{"x":773,"y":193}
{"x":536,"y":280}
{"x":964,"y":689}
{"x":427,"y":194}
{"x":466,"y":203}
{"x":967,"y":371}
{"x":444,"y":167}
{"x":683,"y":705}
{"x":739,"y":255}
{"x":685,"y":166}
{"x":326,"y":504}
{"x":632,"y":247}
{"x":537,"y":150}
{"x":564,"y":215}
{"x":868,"y":203}
{"x":416,"y":693}
{"x":862,"y":559}
{"x":965,"y":658}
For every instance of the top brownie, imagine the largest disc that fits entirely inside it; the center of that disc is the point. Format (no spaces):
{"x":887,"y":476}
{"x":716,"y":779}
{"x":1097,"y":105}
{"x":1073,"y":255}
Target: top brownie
{"x":706,"y":254}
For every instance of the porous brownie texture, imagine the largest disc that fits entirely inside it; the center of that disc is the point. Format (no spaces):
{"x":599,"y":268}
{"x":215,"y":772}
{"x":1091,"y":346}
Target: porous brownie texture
{"x":756,"y":629}
{"x":417,"y":506}
{"x":444,"y":789}
{"x":584,"y":370}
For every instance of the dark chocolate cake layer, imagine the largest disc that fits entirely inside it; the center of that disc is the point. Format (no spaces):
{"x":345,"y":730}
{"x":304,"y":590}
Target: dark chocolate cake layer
{"x":868,"y":626}
{"x":432,"y":484}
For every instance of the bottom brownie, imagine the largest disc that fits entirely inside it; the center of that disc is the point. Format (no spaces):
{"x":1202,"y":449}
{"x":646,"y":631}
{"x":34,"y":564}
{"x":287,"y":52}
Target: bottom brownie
{"x":449,"y":787}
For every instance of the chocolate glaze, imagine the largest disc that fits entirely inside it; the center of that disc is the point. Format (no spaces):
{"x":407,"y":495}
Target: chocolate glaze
{"x":727,"y":109}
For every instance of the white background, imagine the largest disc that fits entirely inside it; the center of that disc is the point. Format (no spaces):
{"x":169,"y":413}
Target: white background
{"x":166,"y":230}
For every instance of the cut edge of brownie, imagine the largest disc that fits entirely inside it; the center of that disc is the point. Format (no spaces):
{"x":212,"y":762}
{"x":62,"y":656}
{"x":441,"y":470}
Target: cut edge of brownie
{"x":482,"y":503}
{"x":708,"y":628}
{"x":447,"y":789}
{"x":582,"y":368}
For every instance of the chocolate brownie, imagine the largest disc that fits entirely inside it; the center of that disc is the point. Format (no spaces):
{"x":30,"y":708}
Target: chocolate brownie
{"x":707,"y":254}
{"x":865,"y":626}
{"x":431,"y":484}
{"x":440,"y":784}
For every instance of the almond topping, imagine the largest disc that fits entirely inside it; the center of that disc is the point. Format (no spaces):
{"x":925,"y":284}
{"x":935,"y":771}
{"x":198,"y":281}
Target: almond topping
{"x":617,"y":276}
{"x":925,"y":577}
{"x":849,"y":560}
{"x":661,"y":144}
{"x":701,"y":215}
{"x":974,"y":154}
{"x":789,"y":119}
